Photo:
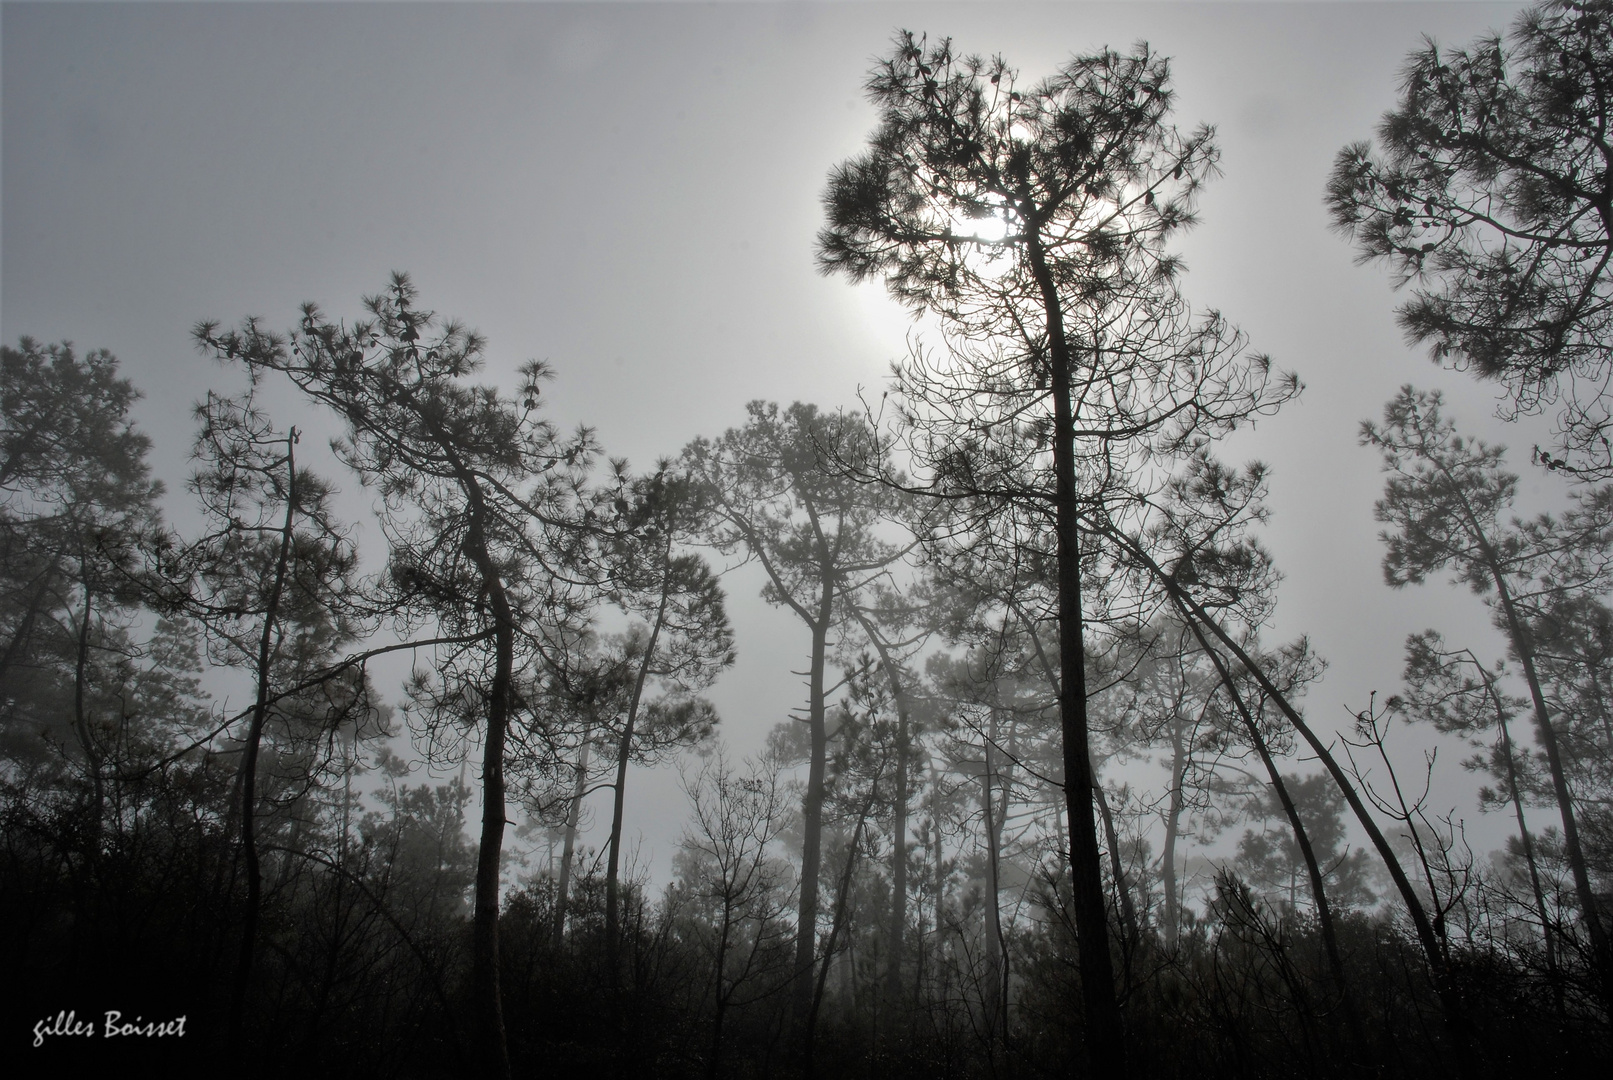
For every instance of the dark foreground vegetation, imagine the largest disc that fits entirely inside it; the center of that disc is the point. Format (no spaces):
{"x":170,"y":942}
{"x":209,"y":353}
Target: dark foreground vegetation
{"x":1037,"y":814}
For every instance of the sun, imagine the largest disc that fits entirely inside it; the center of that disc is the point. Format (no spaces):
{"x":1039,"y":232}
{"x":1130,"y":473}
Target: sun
{"x":989,"y":258}
{"x":990,"y":229}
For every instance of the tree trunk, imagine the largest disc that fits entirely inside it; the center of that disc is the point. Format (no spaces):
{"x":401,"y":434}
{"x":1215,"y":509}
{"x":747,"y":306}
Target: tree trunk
{"x":489,"y":854}
{"x":25,"y":625}
{"x":1522,"y":644}
{"x":806,"y":933}
{"x":562,"y":891}
{"x":624,"y":753}
{"x":898,"y":927}
{"x":837,"y":922}
{"x":937,"y":854}
{"x":1521,"y":640}
{"x":1126,"y":905}
{"x":1104,"y":1035}
{"x":899,"y":797}
{"x":993,"y":998}
{"x":1173,"y":823}
{"x":249,"y":757}
{"x":1528,"y":847}
{"x":81,"y":727}
{"x":721,"y":996}
{"x":1451,"y":1004}
{"x":1324,"y":911}
{"x":485,"y":991}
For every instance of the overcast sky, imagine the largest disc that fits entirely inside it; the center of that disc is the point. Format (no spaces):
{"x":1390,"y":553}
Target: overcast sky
{"x":631,"y":192}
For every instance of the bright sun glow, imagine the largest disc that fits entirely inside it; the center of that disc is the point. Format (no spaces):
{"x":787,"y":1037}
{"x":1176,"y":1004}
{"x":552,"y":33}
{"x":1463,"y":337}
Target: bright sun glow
{"x":990,"y":229}
{"x":986,"y":262}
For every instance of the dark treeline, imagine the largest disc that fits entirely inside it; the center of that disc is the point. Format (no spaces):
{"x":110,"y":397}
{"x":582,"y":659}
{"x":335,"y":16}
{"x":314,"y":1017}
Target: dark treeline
{"x":1042,"y":810}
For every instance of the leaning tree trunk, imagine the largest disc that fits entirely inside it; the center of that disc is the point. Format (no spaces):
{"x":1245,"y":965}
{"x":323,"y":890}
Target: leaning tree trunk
{"x":1451,"y":1004}
{"x":1528,"y":846}
{"x":1124,"y":902}
{"x":838,"y":920}
{"x":1521,"y":640}
{"x":1522,"y":644}
{"x":1324,"y":911}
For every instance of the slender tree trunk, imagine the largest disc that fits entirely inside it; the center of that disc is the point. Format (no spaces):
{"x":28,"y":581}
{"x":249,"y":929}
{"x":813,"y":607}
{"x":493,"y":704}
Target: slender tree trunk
{"x":1451,"y":1003}
{"x":1324,"y":911}
{"x":898,"y":928}
{"x":939,"y":871}
{"x":899,"y":797}
{"x":837,"y":922}
{"x":81,"y":727}
{"x":1105,"y":1034}
{"x":1519,"y":636}
{"x":624,"y":753}
{"x":562,"y":892}
{"x":267,"y":643}
{"x":722,"y":996}
{"x":1528,"y":847}
{"x":1523,"y":645}
{"x":1127,"y":907}
{"x":1005,"y":789}
{"x":489,"y":852}
{"x":485,"y":991}
{"x":995,"y":1020}
{"x":1173,"y":824}
{"x":806,"y":934}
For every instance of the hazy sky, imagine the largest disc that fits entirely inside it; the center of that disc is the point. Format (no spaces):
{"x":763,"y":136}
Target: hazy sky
{"x":631,"y":191}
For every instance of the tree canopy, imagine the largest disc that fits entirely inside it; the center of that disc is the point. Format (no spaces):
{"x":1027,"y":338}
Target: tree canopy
{"x":1490,"y":192}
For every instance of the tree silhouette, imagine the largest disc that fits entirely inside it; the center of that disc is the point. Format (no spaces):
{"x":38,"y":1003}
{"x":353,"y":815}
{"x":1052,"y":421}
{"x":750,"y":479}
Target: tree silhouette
{"x":1033,"y":225}
{"x":772,"y":493}
{"x":685,"y":642}
{"x":1455,"y":692}
{"x":1491,"y":192}
{"x":482,"y":501}
{"x":732,"y":882}
{"x":274,"y":583}
{"x":76,"y":497}
{"x":1444,"y":500}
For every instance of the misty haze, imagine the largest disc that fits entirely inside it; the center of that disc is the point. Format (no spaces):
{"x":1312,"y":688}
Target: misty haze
{"x":790,"y":540}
